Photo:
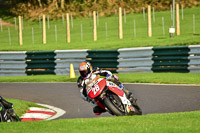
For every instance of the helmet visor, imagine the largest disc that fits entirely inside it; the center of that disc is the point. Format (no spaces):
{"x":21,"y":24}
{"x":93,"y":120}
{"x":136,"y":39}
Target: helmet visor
{"x":83,"y":73}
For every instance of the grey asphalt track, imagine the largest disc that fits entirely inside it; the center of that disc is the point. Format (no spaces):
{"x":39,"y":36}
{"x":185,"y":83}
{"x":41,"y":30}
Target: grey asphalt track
{"x":151,"y":98}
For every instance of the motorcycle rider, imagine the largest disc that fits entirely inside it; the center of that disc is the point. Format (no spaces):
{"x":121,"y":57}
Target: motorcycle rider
{"x":86,"y":71}
{"x":4,"y":105}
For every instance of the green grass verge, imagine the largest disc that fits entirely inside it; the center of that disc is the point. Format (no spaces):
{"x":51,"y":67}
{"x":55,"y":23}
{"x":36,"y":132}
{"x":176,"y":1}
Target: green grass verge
{"x":154,"y":123}
{"x":160,"y":78}
{"x":112,"y":42}
{"x":38,"y":78}
{"x":22,"y":106}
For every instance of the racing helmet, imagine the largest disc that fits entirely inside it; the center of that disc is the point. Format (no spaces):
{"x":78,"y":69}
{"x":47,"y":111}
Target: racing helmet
{"x":85,"y":68}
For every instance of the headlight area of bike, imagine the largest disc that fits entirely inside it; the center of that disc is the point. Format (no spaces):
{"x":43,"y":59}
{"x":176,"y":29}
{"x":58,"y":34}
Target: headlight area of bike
{"x":113,"y":97}
{"x":103,"y":94}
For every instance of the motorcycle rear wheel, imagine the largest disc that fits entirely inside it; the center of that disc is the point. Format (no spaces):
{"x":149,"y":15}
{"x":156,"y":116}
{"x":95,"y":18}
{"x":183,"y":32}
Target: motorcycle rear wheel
{"x":138,"y":110}
{"x":15,"y":118}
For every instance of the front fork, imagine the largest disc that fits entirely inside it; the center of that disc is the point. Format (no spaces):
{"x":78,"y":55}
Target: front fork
{"x":126,"y":103}
{"x":99,"y":99}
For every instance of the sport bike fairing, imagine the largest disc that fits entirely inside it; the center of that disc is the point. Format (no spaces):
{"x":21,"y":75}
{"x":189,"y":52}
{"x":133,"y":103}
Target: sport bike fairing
{"x":115,"y":89}
{"x":96,"y":89}
{"x":95,"y":86}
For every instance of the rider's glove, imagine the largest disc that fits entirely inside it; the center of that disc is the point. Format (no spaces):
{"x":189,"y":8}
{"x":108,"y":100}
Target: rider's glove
{"x":121,"y":86}
{"x":108,"y":76}
{"x":96,"y":69}
{"x":90,"y":100}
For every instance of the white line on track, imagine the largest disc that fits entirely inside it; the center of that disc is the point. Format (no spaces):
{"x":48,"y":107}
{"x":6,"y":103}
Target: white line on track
{"x":123,"y":83}
{"x":162,"y":84}
{"x":59,"y":112}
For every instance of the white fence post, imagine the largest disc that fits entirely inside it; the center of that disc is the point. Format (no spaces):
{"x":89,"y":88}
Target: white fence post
{"x":182,"y":12}
{"x":153,"y":15}
{"x":1,"y":24}
{"x":56,"y":38}
{"x":134,"y":23}
{"x":72,"y":23}
{"x":48,"y":22}
{"x":39,"y":22}
{"x":193,"y":23}
{"x":163,"y":23}
{"x":15,"y":19}
{"x":81,"y":32}
{"x":33,"y":41}
{"x":124,"y":15}
{"x":106,"y":30}
{"x":143,"y":13}
{"x":9,"y":36}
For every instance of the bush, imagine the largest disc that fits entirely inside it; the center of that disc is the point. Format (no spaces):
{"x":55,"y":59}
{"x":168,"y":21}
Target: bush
{"x":81,"y":8}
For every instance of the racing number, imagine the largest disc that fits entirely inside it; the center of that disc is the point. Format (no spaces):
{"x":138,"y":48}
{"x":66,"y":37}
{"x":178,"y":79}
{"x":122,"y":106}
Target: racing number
{"x":95,"y":89}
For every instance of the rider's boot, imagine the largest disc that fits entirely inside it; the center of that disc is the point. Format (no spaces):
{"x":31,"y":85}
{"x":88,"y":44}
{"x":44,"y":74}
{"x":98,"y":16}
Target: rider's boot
{"x":132,"y":99}
{"x":98,"y":110}
{"x":5,"y":103}
{"x":128,"y":94}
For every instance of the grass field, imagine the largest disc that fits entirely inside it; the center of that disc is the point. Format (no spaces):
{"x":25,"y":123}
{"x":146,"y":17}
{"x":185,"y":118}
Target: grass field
{"x":155,"y":123}
{"x":111,"y":42}
{"x":160,"y":78}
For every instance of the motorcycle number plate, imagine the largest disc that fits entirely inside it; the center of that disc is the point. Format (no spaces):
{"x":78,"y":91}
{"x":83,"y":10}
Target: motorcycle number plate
{"x":95,"y":89}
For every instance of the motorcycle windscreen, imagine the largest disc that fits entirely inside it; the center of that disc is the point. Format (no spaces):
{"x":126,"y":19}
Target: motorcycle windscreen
{"x":97,"y":88}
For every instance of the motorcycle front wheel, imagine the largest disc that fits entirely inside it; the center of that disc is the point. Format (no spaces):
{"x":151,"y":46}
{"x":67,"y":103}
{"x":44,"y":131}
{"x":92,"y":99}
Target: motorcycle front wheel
{"x":114,"y":105}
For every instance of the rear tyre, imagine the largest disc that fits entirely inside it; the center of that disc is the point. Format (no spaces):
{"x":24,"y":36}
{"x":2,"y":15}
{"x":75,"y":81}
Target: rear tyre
{"x":138,"y":111}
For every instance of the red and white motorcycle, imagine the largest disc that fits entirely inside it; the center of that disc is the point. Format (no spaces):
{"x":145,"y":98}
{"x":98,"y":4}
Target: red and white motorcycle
{"x":110,"y":97}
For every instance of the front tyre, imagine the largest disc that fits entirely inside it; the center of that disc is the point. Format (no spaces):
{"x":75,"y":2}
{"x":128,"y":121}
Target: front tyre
{"x":113,"y":106}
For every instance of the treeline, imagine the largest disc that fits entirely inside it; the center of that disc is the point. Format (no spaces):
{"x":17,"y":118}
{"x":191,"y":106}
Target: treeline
{"x":55,"y":8}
